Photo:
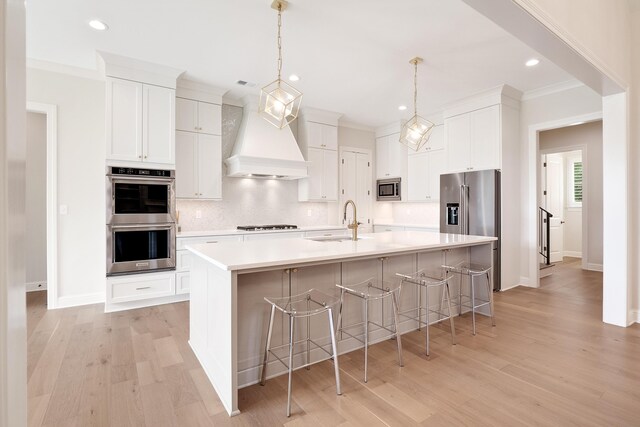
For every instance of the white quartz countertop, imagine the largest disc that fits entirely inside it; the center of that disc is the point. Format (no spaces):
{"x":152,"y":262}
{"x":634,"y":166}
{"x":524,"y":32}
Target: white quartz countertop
{"x":433,"y":226}
{"x":240,"y":232}
{"x":286,"y":252}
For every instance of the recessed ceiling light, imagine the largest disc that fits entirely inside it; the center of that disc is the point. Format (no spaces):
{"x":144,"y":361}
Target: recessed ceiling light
{"x":294,"y":77}
{"x":532,"y":62}
{"x":98,"y":25}
{"x":402,"y":107}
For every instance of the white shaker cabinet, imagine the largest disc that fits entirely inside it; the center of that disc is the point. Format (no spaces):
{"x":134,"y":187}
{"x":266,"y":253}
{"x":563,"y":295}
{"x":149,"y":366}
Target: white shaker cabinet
{"x":391,"y":157}
{"x":473,"y":140}
{"x":198,"y":166}
{"x":198,"y":116}
{"x":322,"y":183}
{"x":140,"y":122}
{"x":320,"y":135}
{"x":423,"y":176}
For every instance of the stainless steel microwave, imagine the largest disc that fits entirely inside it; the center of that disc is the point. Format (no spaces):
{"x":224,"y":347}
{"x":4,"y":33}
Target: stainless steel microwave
{"x":389,"y":189}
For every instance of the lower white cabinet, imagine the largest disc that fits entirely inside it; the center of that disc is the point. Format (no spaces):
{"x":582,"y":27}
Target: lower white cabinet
{"x":272,"y":236}
{"x":182,"y":282}
{"x":383,"y":228}
{"x":327,"y":233}
{"x":198,"y":166}
{"x":138,"y":287}
{"x":322,"y":183}
{"x":423,"y":176}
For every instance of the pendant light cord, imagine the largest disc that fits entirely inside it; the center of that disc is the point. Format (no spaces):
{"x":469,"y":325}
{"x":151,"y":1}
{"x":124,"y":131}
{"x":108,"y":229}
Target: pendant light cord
{"x":415,"y":88}
{"x":279,"y":42}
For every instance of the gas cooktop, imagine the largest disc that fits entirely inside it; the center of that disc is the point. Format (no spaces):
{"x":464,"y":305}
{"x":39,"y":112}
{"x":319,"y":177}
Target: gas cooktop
{"x":267,"y":227}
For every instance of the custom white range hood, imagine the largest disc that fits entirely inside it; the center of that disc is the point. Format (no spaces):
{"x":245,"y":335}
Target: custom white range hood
{"x":264,"y":151}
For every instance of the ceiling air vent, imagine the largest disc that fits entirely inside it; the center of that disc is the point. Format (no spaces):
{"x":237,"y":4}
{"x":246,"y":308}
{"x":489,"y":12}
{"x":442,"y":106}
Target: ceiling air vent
{"x":245,"y":83}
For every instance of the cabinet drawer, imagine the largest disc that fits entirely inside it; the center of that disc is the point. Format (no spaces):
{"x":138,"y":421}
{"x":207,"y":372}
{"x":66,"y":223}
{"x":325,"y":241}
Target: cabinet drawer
{"x":183,"y":260}
{"x":182,"y":242}
{"x":383,"y":228}
{"x":138,"y":287}
{"x":182,"y":283}
{"x":273,"y":236}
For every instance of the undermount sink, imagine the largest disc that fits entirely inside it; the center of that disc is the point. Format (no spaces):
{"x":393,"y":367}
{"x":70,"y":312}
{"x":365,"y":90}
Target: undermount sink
{"x":334,"y":238}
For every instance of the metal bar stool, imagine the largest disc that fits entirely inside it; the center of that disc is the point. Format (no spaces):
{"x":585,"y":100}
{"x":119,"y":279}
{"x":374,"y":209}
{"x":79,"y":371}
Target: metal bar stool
{"x":305,"y":305}
{"x":426,"y":280}
{"x":473,"y":271}
{"x":370,"y":290}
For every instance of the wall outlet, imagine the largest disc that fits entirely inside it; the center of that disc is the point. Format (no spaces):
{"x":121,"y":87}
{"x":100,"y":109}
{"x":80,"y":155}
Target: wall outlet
{"x":198,"y":214}
{"x":309,"y":212}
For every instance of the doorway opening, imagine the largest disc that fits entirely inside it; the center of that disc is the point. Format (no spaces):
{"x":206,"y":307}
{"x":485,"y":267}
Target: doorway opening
{"x":570,"y":197}
{"x":42,"y":200}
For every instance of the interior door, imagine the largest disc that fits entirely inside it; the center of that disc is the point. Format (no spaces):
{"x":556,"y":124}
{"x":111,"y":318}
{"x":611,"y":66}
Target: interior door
{"x":356,"y":176}
{"x":555,"y":204}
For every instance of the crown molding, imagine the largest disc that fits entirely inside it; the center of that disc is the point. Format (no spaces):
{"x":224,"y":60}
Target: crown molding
{"x":356,"y":126}
{"x":551,"y":89}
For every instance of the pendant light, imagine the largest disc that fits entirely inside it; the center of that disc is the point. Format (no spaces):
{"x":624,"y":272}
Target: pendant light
{"x":279,"y":101}
{"x":416,"y":131}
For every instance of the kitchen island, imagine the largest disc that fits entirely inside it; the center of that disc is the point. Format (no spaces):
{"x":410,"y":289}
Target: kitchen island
{"x":229,"y":280}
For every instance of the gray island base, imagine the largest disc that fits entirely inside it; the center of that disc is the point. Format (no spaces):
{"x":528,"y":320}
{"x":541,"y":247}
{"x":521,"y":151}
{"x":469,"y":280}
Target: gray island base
{"x":229,"y":280}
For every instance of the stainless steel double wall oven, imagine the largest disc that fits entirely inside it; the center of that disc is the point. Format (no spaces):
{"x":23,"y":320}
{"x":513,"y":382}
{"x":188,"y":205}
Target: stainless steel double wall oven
{"x":141,"y":224}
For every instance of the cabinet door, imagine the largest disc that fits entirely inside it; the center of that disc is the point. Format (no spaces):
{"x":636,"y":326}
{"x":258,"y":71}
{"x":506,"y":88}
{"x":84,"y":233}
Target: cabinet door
{"x":330,"y":137}
{"x":316,"y":171}
{"x":124,"y":120}
{"x":209,"y":118}
{"x":456,"y":131}
{"x":186,"y":169}
{"x":210,"y":166}
{"x":382,"y":157}
{"x":417,"y":177}
{"x":397,"y":156}
{"x":314,"y":135}
{"x":186,"y":115}
{"x":158,"y":124}
{"x":435,"y":167}
{"x":330,"y":175}
{"x":436,"y":141}
{"x":363,"y":188}
{"x":485,"y":138}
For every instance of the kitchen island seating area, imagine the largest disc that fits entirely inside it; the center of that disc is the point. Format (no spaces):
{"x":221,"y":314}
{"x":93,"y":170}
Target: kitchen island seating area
{"x":229,"y":320}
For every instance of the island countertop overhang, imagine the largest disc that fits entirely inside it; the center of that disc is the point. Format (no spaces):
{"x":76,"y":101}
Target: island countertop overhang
{"x":267,"y":254}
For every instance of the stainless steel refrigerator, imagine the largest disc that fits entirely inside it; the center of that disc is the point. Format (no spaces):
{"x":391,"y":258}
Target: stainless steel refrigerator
{"x":470,"y":204}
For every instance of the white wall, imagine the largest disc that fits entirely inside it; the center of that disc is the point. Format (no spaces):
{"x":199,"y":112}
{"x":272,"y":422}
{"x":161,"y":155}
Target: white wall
{"x":81,"y":181}
{"x":589,"y":134}
{"x":552,"y":107}
{"x":13,"y":324}
{"x":36,"y":198}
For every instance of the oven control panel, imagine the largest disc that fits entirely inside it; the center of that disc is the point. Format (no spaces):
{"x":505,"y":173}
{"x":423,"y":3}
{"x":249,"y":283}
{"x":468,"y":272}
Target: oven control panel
{"x":116,"y":170}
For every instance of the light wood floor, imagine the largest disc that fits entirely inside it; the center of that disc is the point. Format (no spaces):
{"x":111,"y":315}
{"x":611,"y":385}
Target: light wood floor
{"x":550,"y":361}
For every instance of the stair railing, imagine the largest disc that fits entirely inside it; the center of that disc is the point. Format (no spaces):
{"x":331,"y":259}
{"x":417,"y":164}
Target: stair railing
{"x":544,"y":227}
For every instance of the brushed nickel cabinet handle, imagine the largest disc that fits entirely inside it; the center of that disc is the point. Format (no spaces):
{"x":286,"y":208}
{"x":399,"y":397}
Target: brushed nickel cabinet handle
{"x":143,"y":287}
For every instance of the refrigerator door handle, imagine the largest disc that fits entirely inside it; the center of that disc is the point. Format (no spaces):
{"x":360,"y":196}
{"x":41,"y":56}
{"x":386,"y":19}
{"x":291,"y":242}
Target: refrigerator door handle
{"x":462,"y":213}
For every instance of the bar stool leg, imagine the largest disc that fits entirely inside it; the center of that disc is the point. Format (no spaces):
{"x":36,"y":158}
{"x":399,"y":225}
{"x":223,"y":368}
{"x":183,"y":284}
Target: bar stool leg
{"x":473,"y":303}
{"x":340,"y":312}
{"x":459,"y":294}
{"x":263,"y":377}
{"x":394,"y":303}
{"x":490,"y":290}
{"x":334,"y":348}
{"x":366,"y":338}
{"x":419,"y":291}
{"x":308,"y":320}
{"x":291,"y":340}
{"x":453,"y":328}
{"x":426,"y":302}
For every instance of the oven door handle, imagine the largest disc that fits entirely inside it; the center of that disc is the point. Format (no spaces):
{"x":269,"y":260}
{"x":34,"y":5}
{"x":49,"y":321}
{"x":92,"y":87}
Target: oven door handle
{"x":136,"y":179}
{"x":143,"y":227}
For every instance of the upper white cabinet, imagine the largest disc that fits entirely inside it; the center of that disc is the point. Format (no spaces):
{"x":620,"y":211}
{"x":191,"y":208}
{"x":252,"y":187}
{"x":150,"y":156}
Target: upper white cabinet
{"x":435,"y":142}
{"x":198,"y":166}
{"x":423,"y":176}
{"x":140,"y":122}
{"x":318,"y":141}
{"x":474,"y":140}
{"x":198,"y":116}
{"x":391,"y":157}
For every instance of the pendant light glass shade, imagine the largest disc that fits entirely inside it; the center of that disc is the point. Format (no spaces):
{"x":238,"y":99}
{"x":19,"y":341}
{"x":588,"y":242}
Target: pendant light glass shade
{"x":279,"y":101}
{"x":416,"y":131}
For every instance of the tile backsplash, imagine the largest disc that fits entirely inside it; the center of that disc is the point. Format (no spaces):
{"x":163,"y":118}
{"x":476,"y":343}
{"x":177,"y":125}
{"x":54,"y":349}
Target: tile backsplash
{"x":408,"y":213}
{"x":250,"y":201}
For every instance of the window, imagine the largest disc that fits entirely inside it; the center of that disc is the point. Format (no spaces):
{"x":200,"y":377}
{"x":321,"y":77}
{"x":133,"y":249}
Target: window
{"x":574,"y":181}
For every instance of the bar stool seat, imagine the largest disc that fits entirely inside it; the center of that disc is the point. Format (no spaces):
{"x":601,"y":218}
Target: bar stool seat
{"x":427,"y":280}
{"x":473,"y":270}
{"x":370,"y":290}
{"x":304,"y":305}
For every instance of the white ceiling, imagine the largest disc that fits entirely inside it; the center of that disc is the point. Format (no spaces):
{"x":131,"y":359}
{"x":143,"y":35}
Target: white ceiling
{"x":352,"y":55}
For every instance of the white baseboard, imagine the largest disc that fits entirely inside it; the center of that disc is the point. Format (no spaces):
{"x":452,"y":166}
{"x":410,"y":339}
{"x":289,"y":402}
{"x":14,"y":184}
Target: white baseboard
{"x":572,"y":254}
{"x":594,"y":267}
{"x":131,"y":305}
{"x":76,"y":300}
{"x":36,"y":286}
